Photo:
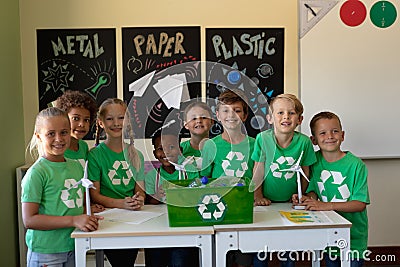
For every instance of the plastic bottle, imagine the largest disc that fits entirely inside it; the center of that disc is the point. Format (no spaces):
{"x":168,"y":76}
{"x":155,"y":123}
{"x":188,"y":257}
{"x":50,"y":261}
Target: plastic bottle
{"x":199,"y":182}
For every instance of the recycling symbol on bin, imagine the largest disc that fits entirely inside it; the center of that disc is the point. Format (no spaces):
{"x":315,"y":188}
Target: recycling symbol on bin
{"x":212,"y":208}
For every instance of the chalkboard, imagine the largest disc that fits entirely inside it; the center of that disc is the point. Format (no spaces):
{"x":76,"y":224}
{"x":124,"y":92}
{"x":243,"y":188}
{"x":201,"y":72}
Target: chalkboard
{"x":354,"y":72}
{"x":254,"y":59}
{"x":151,"y":58}
{"x":76,"y":59}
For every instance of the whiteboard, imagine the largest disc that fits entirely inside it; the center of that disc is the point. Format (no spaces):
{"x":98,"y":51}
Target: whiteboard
{"x":355,"y":73}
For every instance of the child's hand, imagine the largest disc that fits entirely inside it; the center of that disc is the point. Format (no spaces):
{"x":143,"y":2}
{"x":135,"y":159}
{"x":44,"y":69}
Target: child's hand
{"x":295,"y":199}
{"x":313,"y":204}
{"x":262,"y":202}
{"x":87,"y":223}
{"x":133,"y":203}
{"x":95,"y":208}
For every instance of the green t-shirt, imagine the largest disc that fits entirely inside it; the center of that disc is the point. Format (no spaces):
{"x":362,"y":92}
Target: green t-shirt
{"x":341,"y":181}
{"x":160,"y":175}
{"x":279,"y":185}
{"x":188,"y":151}
{"x":47,"y":184}
{"x":117,"y":178}
{"x":80,"y":155}
{"x":221,"y":158}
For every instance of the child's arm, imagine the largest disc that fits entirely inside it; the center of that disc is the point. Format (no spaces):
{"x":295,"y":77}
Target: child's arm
{"x":33,"y":220}
{"x":350,"y":206}
{"x":258,"y":179}
{"x":130,"y":203}
{"x":304,"y":182}
{"x":153,"y":199}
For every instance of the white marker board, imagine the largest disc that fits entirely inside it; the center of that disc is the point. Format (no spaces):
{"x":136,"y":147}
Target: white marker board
{"x":354,"y":72}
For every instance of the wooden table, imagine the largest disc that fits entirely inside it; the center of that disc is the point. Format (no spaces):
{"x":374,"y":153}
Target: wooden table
{"x":150,"y":234}
{"x":272,"y":232}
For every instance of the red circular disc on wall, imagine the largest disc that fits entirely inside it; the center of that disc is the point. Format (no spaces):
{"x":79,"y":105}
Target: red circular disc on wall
{"x":353,"y":13}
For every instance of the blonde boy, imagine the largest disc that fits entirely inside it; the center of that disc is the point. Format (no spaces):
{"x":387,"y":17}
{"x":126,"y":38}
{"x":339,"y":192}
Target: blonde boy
{"x":279,"y":148}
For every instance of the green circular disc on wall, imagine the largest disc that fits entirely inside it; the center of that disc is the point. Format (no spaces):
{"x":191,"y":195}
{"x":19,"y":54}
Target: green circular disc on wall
{"x":383,"y":14}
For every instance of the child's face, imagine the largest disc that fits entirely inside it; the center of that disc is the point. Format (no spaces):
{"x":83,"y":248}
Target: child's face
{"x":328,"y":135}
{"x":54,"y":136}
{"x":198,"y":121}
{"x":166,"y":148}
{"x":231,"y":116}
{"x":80,"y":122}
{"x":113,"y":120}
{"x":284,"y":117}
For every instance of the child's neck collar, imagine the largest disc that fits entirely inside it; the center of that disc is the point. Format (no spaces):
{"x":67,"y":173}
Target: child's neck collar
{"x":114,"y":145}
{"x":169,"y":169}
{"x":333,"y":156}
{"x":195,"y":141}
{"x":284,"y":140}
{"x":233,"y":137}
{"x":74,"y":145}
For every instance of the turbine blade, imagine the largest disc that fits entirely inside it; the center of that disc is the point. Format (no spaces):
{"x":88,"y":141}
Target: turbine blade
{"x":304,"y":175}
{"x":298,"y":161}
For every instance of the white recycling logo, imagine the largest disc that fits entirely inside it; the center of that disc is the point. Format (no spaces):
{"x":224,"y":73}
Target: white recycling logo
{"x":276,"y":166}
{"x":338,"y":180}
{"x":113,"y":173}
{"x":211,"y":208}
{"x":65,"y":195}
{"x":226,"y":163}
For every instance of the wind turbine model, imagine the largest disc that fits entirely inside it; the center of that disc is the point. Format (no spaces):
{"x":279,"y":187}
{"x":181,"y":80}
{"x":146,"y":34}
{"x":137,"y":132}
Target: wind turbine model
{"x":87,"y":184}
{"x":297,"y":168}
{"x":181,"y":167}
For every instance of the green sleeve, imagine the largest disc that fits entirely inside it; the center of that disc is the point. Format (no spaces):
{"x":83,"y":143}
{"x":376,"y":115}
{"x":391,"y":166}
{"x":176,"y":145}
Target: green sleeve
{"x":149,"y":182}
{"x":309,"y":154}
{"x":94,"y":169}
{"x":360,"y":190}
{"x":208,"y":152}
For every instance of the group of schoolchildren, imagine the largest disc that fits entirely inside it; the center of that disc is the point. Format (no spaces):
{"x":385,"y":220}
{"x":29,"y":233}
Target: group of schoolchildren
{"x":53,"y":206}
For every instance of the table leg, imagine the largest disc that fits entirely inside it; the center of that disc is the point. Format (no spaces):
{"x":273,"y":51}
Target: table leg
{"x":81,"y":247}
{"x":224,"y":242}
{"x":99,"y":257}
{"x":316,"y":258}
{"x":205,"y":243}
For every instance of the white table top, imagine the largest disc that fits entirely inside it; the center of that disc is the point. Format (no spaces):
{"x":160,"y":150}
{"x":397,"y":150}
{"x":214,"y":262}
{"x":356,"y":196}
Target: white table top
{"x":154,"y":227}
{"x":269,"y":218}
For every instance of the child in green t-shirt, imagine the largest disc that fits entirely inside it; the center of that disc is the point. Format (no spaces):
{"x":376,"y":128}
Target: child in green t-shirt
{"x":278,"y":149}
{"x":198,"y":121}
{"x":81,"y":109}
{"x":228,"y":154}
{"x":338,"y":182}
{"x":51,"y":207}
{"x":117,"y":170}
{"x":167,"y":151}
